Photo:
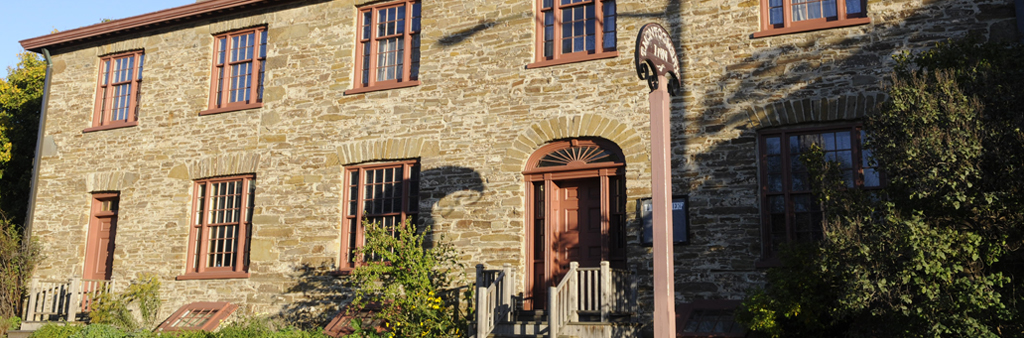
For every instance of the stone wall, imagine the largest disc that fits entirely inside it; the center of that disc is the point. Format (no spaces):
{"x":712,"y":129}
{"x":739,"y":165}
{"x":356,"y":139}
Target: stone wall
{"x":473,"y":122}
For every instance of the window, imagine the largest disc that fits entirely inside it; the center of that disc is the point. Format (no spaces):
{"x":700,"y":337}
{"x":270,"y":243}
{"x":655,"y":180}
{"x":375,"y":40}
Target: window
{"x":238,"y":67}
{"x":379,"y":193}
{"x":221,"y":218}
{"x":790,"y":212}
{"x":388,"y":47}
{"x":117,"y":92}
{"x":574,"y":30}
{"x":204,"y":316}
{"x":709,"y":318}
{"x":791,"y":16}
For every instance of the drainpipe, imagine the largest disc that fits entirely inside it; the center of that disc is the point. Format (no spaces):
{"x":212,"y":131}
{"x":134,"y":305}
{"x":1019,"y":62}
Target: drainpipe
{"x":27,"y":235}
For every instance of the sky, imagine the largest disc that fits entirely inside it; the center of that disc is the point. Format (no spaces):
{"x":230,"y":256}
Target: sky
{"x":24,"y":19}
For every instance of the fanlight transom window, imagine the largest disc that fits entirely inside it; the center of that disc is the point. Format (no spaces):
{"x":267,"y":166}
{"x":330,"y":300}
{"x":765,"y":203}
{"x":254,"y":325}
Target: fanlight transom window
{"x":575,"y":153}
{"x":575,"y":156}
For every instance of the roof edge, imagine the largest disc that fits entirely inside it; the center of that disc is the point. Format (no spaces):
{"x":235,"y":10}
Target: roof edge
{"x":153,"y":19}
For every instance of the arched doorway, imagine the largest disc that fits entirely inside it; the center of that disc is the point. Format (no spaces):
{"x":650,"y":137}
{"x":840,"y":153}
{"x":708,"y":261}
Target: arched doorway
{"x":576,"y":195}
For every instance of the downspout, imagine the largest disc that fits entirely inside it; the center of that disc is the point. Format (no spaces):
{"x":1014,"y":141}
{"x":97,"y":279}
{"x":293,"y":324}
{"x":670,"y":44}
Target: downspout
{"x":33,"y":189}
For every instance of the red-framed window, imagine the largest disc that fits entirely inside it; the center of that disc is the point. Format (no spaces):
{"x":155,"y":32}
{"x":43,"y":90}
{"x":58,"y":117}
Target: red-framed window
{"x":789,"y":211}
{"x":387,"y":46}
{"x":198,"y":316}
{"x":117,"y":91}
{"x":239,"y":61}
{"x":791,"y":16}
{"x":574,"y":30}
{"x":221,"y":222}
{"x":384,"y":193}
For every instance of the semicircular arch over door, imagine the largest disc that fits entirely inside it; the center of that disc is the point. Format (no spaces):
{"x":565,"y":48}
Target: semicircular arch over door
{"x":576,"y":200}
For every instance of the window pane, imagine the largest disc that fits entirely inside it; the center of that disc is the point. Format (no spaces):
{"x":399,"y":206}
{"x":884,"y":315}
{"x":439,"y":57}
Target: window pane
{"x":829,"y":8}
{"x":843,"y":140}
{"x":142,"y":58}
{"x":799,"y":11}
{"x":871,"y":178}
{"x":775,"y":16}
{"x":773,"y":145}
{"x":854,"y":7}
{"x":814,"y":10}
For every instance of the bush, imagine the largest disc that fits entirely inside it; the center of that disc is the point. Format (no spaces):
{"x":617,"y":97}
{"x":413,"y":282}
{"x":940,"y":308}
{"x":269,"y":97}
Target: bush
{"x":113,"y":309}
{"x":938,"y":252}
{"x":408,"y":279}
{"x":16,"y":264}
{"x":57,"y":331}
{"x":251,"y":327}
{"x":261,"y":327}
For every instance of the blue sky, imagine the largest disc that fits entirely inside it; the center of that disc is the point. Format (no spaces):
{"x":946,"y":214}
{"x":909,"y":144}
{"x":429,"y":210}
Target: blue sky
{"x":23,"y":19}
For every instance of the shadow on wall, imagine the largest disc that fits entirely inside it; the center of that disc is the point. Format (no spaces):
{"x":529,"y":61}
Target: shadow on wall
{"x":319,"y":293}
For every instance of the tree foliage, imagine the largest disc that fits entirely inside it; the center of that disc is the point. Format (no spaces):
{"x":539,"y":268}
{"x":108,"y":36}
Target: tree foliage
{"x":21,"y":96}
{"x":412,"y":280}
{"x":937,"y":253}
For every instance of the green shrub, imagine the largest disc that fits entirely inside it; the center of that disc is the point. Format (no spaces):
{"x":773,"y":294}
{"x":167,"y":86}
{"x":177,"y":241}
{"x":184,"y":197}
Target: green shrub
{"x":113,"y":309}
{"x":99,"y":331}
{"x":408,"y":279}
{"x":57,"y":331}
{"x":16,"y":264}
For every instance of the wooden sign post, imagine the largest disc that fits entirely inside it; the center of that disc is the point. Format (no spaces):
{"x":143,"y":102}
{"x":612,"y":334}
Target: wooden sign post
{"x":656,"y":62}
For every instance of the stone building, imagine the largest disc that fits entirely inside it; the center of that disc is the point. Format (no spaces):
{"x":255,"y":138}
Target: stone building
{"x":229,"y":145}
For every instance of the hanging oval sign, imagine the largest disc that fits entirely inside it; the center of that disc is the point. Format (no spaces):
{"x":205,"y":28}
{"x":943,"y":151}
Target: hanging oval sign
{"x":656,"y":55}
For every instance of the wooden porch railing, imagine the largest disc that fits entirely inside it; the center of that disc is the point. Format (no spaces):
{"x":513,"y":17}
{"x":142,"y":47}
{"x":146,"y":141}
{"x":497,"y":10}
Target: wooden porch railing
{"x":61,"y":300}
{"x":601,"y":290}
{"x":494,"y":297}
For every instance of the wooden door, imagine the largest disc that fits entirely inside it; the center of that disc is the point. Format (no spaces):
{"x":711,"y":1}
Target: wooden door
{"x":576,"y":207}
{"x":99,"y":252}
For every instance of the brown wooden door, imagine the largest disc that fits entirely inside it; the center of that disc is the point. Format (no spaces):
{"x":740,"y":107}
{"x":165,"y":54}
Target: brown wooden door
{"x":577,"y":226}
{"x":99,"y":251}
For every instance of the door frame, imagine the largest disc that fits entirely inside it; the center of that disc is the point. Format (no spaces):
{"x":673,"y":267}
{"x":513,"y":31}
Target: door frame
{"x":604,"y":171}
{"x":92,"y":249}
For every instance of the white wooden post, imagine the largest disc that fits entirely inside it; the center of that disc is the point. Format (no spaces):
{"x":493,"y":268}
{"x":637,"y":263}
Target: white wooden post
{"x":552,"y":312}
{"x":574,"y":292}
{"x":74,"y":298}
{"x":606,"y":290}
{"x":507,"y":285}
{"x":30,"y":308}
{"x":482,"y":312}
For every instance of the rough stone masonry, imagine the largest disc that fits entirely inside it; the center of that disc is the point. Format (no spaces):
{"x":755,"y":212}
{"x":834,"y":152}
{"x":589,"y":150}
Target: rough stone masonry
{"x":473,"y":122}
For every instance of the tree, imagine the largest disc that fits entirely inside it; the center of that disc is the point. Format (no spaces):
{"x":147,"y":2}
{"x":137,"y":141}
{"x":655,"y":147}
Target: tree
{"x":20,"y":99}
{"x":21,"y":96}
{"x":938,"y":252}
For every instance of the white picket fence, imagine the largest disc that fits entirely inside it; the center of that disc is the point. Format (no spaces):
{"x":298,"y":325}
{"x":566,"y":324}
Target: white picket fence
{"x":61,"y":300}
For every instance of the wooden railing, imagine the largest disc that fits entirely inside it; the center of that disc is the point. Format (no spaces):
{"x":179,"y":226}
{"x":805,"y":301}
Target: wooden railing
{"x":600,"y":290}
{"x":562,"y":301}
{"x":61,"y":300}
{"x":494,"y":297}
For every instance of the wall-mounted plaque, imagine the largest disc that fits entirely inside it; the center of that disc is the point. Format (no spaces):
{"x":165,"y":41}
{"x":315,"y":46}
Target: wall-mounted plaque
{"x":680,"y":220}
